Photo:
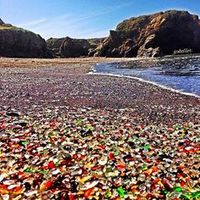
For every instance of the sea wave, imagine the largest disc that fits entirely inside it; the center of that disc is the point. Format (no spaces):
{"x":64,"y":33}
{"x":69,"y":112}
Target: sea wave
{"x":144,"y":81}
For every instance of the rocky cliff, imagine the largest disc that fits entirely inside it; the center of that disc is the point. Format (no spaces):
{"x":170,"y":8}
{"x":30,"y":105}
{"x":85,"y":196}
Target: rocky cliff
{"x":159,"y":34}
{"x":74,"y":47}
{"x":17,"y":42}
{"x":54,"y":45}
{"x":70,"y":47}
{"x":1,"y":22}
{"x":153,"y":35}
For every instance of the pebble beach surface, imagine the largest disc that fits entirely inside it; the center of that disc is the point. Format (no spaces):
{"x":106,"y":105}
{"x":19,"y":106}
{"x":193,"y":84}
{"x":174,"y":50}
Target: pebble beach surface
{"x":65,"y":134}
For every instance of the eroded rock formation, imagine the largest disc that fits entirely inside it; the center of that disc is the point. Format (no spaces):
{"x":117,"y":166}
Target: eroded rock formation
{"x":69,"y":47}
{"x":153,"y":35}
{"x":17,"y":42}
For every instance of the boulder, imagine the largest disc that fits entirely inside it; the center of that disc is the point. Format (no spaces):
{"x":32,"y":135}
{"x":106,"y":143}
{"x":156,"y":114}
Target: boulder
{"x":153,"y":35}
{"x":17,"y":42}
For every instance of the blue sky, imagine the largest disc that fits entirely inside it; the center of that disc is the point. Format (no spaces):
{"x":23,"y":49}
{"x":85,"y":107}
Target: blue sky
{"x":82,"y":18}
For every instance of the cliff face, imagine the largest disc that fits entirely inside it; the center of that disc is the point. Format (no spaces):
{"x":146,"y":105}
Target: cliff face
{"x":153,"y":35}
{"x":16,"y":42}
{"x":70,"y":47}
{"x":74,"y":47}
{"x":1,"y":22}
{"x":54,"y":45}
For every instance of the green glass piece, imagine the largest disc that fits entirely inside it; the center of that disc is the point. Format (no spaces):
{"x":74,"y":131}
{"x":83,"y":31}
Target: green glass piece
{"x":121,"y":192}
{"x":57,"y":164}
{"x":176,"y":126}
{"x":79,"y":121}
{"x":186,"y":196}
{"x":108,"y":194}
{"x":89,"y":127}
{"x":147,"y":147}
{"x":116,"y":153}
{"x":27,"y":170}
{"x":178,"y":189}
{"x":144,"y":167}
{"x":24,"y":142}
{"x":196,"y":195}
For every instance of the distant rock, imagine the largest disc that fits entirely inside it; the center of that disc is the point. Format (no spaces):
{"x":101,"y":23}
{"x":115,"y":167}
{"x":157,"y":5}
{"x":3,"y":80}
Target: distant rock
{"x":153,"y":35}
{"x":74,"y":47}
{"x":94,"y":42}
{"x":70,"y":47}
{"x":54,"y":45}
{"x":1,"y":22}
{"x":17,"y":42}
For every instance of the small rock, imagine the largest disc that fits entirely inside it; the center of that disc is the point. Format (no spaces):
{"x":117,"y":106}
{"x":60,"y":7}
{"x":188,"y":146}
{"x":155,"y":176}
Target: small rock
{"x":13,"y":114}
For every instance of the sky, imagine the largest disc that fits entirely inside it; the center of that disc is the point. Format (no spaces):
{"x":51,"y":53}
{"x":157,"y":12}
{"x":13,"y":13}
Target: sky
{"x":82,"y":18}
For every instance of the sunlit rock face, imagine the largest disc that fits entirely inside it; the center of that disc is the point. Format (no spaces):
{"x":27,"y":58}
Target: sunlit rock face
{"x":153,"y":35}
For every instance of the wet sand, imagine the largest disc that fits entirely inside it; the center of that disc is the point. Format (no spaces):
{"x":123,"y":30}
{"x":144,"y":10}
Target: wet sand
{"x":93,"y":136}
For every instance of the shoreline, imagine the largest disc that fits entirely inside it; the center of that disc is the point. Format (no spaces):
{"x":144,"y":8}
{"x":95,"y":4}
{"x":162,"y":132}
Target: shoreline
{"x":145,"y":81}
{"x":7,"y":61}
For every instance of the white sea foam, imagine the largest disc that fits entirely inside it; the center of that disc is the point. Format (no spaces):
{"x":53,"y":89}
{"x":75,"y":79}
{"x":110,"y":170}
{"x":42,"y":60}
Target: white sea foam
{"x":145,"y":81}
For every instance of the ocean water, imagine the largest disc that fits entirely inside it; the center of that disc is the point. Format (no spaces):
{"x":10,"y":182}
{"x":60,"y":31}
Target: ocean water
{"x":178,"y":73}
